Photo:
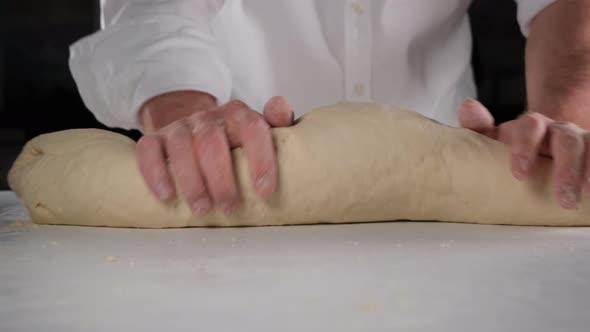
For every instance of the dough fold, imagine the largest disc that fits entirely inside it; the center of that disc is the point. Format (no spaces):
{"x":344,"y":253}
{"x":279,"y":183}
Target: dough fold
{"x":348,"y":162}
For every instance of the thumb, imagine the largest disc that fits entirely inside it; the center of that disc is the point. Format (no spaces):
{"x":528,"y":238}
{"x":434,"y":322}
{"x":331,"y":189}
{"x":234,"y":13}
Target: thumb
{"x":475,"y":116}
{"x":278,"y":112}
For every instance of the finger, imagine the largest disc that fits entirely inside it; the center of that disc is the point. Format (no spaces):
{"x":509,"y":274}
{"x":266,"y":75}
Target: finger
{"x":185,"y":169}
{"x":567,"y":148}
{"x":213,"y":151}
{"x":526,"y":137}
{"x":254,"y":135}
{"x":153,"y":168}
{"x":233,"y":114}
{"x":248,"y":129}
{"x":475,"y":116}
{"x":278,"y":112}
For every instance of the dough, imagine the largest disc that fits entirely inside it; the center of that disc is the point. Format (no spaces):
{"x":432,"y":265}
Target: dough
{"x":348,"y":162}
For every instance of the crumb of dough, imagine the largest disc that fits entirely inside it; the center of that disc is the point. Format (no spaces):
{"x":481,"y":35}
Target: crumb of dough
{"x":368,"y":307}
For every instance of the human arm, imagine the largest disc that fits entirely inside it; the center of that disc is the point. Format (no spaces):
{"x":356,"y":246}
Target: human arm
{"x":558,"y":92}
{"x":156,"y":67}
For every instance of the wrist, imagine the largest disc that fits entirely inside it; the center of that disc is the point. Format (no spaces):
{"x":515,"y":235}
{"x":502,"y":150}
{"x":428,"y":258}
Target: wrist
{"x":558,"y":62}
{"x":166,"y":108}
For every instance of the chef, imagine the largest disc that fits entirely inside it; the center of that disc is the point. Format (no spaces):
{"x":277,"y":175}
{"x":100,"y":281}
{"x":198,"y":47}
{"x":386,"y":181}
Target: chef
{"x":200,"y":77}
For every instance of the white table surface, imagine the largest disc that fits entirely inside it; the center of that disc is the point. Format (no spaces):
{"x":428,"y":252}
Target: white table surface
{"x":362,"y":277}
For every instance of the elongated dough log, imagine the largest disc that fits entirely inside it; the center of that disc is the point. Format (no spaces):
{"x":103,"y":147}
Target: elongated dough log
{"x":349,"y":162}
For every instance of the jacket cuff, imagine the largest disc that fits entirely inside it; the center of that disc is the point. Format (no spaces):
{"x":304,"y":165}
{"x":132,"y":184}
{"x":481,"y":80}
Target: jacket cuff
{"x":118,"y":69}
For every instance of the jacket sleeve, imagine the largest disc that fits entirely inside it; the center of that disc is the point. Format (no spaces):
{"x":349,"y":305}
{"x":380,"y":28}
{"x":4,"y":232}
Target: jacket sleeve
{"x":146,"y":48}
{"x":527,"y":10}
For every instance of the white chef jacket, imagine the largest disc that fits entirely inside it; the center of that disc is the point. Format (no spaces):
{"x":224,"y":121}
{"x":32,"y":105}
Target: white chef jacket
{"x":411,"y":53}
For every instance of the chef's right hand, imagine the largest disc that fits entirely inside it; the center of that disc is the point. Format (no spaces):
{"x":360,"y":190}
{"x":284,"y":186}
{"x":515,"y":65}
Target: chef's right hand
{"x":187,"y":146}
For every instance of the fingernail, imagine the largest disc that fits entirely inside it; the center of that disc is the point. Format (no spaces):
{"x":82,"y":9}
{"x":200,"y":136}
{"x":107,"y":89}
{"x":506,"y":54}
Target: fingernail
{"x":229,"y":208}
{"x":522,"y":166}
{"x":201,"y":207}
{"x":163,"y":191}
{"x":568,"y":197}
{"x":263,"y":182}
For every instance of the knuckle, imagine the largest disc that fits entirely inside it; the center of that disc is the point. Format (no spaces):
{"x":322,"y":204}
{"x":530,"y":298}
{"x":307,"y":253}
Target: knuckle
{"x":236,"y":110}
{"x":202,"y":116}
{"x":174,"y":140}
{"x":255,"y":121}
{"x":567,"y":134}
{"x":147,"y":142}
{"x":565,"y":126}
{"x":561,"y":123}
{"x":175,"y":130}
{"x":237,"y":104}
{"x":533,"y":115}
{"x":206,"y":131}
{"x":207,"y":124}
{"x":172,"y":125}
{"x":532,"y":121}
{"x":195,"y":118}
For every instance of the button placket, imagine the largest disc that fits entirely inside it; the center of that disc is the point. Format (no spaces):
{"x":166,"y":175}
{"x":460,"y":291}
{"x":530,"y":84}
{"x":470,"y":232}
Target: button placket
{"x":358,"y":7}
{"x":358,"y":39}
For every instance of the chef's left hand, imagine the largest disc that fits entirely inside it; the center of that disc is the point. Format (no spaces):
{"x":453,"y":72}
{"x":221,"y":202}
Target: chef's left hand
{"x":532,"y":135}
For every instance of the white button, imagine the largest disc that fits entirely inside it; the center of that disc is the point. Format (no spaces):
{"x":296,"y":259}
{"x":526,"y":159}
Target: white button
{"x":358,"y":7}
{"x":359,"y":89}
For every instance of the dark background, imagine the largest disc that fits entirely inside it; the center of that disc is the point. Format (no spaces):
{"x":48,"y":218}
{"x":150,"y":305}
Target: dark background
{"x":38,"y":95}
